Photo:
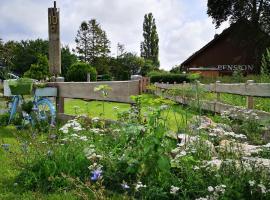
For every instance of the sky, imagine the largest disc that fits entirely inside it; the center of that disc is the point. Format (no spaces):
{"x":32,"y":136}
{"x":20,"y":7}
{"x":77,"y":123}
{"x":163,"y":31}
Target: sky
{"x":183,"y":25}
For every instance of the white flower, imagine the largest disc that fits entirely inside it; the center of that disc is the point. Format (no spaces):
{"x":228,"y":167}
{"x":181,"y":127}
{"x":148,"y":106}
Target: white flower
{"x":83,"y":138}
{"x":116,"y":108}
{"x":251,"y":183}
{"x":263,"y":188}
{"x":174,"y":189}
{"x":74,"y":135}
{"x":196,"y":168}
{"x":210,"y":189}
{"x":164,"y":107}
{"x":139,"y":185}
{"x":95,"y":119}
{"x":267,"y":145}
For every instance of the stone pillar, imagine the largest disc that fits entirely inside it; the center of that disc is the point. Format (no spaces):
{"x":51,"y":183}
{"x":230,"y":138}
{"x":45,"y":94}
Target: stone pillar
{"x":54,"y":41}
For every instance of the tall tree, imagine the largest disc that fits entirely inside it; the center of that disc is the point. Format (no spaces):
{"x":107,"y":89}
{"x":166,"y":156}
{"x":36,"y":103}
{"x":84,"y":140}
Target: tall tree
{"x":67,"y":59}
{"x":149,"y":47}
{"x":256,"y":11}
{"x":91,"y":41}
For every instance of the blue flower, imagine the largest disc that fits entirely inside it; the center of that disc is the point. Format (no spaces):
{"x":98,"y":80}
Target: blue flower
{"x":95,"y":175}
{"x":6,"y":147}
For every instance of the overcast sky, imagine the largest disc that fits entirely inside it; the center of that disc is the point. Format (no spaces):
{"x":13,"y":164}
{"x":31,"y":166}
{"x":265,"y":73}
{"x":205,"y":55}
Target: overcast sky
{"x":183,"y":25}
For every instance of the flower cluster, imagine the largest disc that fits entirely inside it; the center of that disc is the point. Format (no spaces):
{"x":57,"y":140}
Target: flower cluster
{"x":71,"y":125}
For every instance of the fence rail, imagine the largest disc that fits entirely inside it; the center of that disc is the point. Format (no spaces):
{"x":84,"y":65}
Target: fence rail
{"x":249,"y":89}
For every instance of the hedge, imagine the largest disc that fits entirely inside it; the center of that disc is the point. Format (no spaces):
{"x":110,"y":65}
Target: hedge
{"x":171,"y":78}
{"x":78,"y":72}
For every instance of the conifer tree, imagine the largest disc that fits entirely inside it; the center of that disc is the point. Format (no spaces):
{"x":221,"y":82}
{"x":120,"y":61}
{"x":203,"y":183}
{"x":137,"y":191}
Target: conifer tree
{"x":91,"y":41}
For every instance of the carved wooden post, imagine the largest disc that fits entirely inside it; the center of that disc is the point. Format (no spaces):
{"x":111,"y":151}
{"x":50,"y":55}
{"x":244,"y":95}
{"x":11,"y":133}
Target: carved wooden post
{"x":249,"y":99}
{"x":60,"y":101}
{"x":54,"y":41}
{"x":218,"y":93}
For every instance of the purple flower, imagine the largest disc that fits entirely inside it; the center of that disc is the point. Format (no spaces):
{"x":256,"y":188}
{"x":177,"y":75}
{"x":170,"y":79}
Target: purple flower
{"x":95,"y":175}
{"x":6,"y":147}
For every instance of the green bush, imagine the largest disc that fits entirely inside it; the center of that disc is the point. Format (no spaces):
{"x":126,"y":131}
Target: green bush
{"x":171,"y":78}
{"x":39,"y":70}
{"x":78,"y":72}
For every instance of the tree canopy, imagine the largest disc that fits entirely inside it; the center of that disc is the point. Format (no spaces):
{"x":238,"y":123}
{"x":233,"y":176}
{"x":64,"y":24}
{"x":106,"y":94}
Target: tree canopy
{"x":91,"y":41}
{"x":256,"y":11}
{"x":149,"y":47}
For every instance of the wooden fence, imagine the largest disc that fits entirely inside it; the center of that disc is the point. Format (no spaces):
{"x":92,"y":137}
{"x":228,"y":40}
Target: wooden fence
{"x":120,"y":91}
{"x":248,"y":89}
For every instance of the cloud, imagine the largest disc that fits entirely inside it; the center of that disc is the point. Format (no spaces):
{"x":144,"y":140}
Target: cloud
{"x":183,"y":26}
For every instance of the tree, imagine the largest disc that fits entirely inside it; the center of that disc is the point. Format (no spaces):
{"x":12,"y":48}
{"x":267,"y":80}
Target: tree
{"x":67,"y":59}
{"x":265,"y":68}
{"x":149,"y":47}
{"x":26,"y":53}
{"x":39,"y":70}
{"x":91,"y":41}
{"x":256,"y":11}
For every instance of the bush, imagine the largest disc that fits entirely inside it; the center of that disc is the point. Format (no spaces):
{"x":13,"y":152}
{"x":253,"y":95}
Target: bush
{"x":78,"y":72}
{"x":39,"y":70}
{"x":171,"y":78}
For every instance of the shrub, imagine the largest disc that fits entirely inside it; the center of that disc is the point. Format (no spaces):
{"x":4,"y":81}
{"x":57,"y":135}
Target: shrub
{"x":171,"y":78}
{"x":39,"y":70}
{"x":78,"y":72}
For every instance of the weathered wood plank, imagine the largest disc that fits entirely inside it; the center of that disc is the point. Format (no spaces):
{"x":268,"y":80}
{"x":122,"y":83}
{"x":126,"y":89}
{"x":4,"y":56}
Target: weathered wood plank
{"x":121,"y":90}
{"x":244,"y":89}
{"x":215,"y":106}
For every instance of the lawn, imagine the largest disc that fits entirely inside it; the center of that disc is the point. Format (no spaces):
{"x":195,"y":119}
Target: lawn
{"x":176,"y":115}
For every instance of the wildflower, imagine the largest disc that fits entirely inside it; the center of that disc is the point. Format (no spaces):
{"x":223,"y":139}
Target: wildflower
{"x":267,"y":145}
{"x":83,"y":138}
{"x":196,"y":168}
{"x":251,"y":183}
{"x":15,"y":184}
{"x":220,"y":188}
{"x":210,"y":189}
{"x":6,"y":147}
{"x":263,"y":188}
{"x":50,"y":153}
{"x":95,"y":119}
{"x":164,"y":107}
{"x":96,"y":175}
{"x":174,"y":189}
{"x":125,"y":186}
{"x":139,"y":185}
{"x":115,"y":108}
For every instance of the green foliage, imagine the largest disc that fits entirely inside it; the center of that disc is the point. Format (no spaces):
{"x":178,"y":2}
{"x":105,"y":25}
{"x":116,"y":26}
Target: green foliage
{"x":50,"y":168}
{"x":237,"y":76}
{"x":171,"y":78}
{"x":149,"y":47}
{"x":256,"y":12}
{"x":78,"y":72}
{"x":21,"y":86}
{"x":91,"y":41}
{"x":265,"y":68}
{"x":67,"y":59}
{"x":39,"y":70}
{"x":4,"y":119}
{"x":27,"y":53}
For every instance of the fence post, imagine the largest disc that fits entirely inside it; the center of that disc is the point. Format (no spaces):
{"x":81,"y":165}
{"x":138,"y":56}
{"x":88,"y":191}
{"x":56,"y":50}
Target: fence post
{"x":88,"y":77}
{"x":249,"y":99}
{"x":60,"y":101}
{"x":218,"y":93}
{"x":140,"y":86}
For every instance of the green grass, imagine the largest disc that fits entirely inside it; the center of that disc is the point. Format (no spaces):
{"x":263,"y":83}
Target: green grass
{"x":9,"y":170}
{"x":176,"y":116}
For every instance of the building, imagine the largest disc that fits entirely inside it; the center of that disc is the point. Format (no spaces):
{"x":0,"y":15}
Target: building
{"x":238,"y":47}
